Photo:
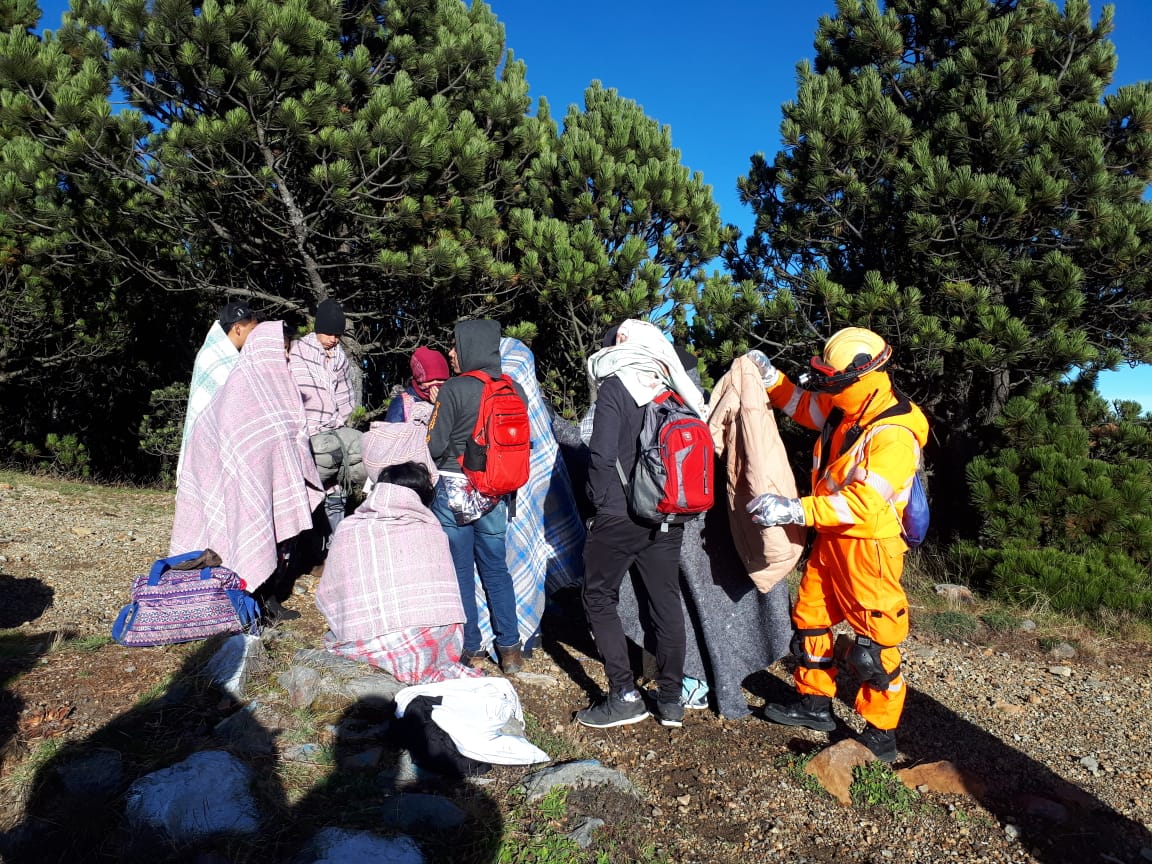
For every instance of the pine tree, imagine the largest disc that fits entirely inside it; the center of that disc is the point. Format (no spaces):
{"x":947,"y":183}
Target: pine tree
{"x":1066,"y":503}
{"x":614,"y":227}
{"x":288,"y":151}
{"x":954,"y":176}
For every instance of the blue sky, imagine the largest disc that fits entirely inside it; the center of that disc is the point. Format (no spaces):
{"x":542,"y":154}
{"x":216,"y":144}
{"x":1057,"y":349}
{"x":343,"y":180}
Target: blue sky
{"x":717,"y":73}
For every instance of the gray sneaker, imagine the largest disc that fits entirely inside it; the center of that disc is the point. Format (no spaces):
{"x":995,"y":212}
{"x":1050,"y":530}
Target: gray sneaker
{"x":612,"y":710}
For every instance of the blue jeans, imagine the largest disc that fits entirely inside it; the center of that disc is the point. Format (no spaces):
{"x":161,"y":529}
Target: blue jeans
{"x":479,"y":547}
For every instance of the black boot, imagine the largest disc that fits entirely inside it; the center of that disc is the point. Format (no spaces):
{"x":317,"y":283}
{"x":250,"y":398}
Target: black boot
{"x":882,"y":742}
{"x":813,"y":712}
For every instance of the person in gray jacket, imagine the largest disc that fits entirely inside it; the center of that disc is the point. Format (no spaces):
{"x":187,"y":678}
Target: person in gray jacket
{"x":475,"y":525}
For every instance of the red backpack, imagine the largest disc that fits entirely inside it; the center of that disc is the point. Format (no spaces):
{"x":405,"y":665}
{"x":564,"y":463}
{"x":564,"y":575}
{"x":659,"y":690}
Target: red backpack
{"x":673,"y":480}
{"x":497,"y":455}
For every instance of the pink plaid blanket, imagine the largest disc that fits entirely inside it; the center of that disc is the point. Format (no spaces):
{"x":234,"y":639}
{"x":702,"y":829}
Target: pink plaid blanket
{"x":324,"y":382}
{"x":417,"y":655}
{"x":389,"y":569}
{"x":248,"y":480}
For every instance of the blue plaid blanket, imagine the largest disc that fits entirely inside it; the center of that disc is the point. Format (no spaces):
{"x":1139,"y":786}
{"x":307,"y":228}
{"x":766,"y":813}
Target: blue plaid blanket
{"x":546,"y":537}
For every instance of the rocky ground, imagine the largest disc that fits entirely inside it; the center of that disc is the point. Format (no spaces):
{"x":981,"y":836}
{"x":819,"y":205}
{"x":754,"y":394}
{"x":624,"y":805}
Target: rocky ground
{"x":1050,"y":739}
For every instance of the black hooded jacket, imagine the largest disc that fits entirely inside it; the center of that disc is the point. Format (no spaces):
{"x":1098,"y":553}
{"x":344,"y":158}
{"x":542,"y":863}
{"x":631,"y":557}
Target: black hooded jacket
{"x":457,"y":407}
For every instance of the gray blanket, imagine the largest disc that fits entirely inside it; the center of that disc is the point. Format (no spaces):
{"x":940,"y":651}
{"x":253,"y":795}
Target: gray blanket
{"x":733,"y":630}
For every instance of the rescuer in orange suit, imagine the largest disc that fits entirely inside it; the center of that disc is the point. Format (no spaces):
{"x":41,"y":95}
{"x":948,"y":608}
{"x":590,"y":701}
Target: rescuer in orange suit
{"x":863,"y":469}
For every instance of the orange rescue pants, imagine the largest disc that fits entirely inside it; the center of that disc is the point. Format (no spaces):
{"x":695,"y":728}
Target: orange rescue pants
{"x":858,"y":581}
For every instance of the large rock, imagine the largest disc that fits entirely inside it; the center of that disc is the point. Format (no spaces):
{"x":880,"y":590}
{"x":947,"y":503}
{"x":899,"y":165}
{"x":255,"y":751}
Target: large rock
{"x":586,"y":772}
{"x":239,"y":658}
{"x":416,"y":810}
{"x":302,"y":683}
{"x":833,"y":767}
{"x":337,"y":846}
{"x":92,"y":775}
{"x":345,"y":680}
{"x":942,"y":777}
{"x":207,"y":794}
{"x":244,"y":733}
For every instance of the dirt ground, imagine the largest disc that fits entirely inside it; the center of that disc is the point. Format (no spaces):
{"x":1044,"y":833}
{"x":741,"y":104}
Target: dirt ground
{"x":1062,"y":749}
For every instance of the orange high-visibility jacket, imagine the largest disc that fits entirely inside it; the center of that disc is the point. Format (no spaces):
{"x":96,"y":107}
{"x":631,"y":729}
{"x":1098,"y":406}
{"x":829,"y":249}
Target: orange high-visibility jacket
{"x":863,"y":492}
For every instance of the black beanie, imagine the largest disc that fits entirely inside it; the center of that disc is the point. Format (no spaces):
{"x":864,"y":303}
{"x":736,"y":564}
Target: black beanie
{"x":330,"y":318}
{"x":609,"y":337}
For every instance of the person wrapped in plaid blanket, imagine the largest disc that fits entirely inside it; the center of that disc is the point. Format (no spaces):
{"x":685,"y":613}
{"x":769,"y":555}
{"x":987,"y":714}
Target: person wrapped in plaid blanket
{"x":389,"y":589}
{"x":215,"y":361}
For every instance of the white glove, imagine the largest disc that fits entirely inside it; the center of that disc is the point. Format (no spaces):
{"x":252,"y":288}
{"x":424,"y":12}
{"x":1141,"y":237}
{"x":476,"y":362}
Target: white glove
{"x":769,"y":510}
{"x":768,"y":372}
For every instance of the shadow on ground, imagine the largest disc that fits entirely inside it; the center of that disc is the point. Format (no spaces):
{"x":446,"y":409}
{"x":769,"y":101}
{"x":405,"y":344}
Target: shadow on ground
{"x":68,"y":822}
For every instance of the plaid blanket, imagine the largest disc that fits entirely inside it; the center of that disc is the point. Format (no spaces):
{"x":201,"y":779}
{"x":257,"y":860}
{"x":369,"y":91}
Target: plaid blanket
{"x":389,"y":569}
{"x":545,"y":540}
{"x":325,"y":384}
{"x":416,"y":655}
{"x":249,"y":481}
{"x":215,"y":361}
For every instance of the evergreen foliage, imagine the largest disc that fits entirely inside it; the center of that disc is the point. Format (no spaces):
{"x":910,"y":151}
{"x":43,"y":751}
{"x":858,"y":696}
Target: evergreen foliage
{"x":378,"y":151}
{"x":1066,"y":502}
{"x":614,"y":227}
{"x":953,"y":176}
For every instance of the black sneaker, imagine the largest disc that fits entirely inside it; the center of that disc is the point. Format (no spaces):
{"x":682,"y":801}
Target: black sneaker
{"x":882,"y":742}
{"x":274,"y":613}
{"x":670,"y":713}
{"x":812,"y":712}
{"x":612,"y":710}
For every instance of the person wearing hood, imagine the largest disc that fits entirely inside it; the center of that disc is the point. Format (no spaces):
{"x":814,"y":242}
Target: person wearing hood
{"x":864,"y":467}
{"x":475,"y":524}
{"x":414,"y":403}
{"x":637,"y":367}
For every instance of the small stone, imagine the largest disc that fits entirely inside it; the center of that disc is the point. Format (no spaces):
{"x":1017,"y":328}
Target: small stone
{"x":535,"y":679}
{"x":363,"y":760}
{"x":684,"y":800}
{"x":585,"y":772}
{"x":302,"y":684}
{"x":657,"y":812}
{"x":955,"y":593}
{"x":80,"y":531}
{"x":1091,"y":764}
{"x":1011,"y":832}
{"x":1062,"y":671}
{"x":302,"y":753}
{"x":1008,"y":708}
{"x":1035,"y":805}
{"x":582,"y":834}
{"x":1027,"y":625}
{"x":1063,"y":651}
{"x":650,"y":755}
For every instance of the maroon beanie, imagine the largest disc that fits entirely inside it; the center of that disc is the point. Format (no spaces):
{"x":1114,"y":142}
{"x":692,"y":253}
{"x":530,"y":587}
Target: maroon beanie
{"x":427,"y":365}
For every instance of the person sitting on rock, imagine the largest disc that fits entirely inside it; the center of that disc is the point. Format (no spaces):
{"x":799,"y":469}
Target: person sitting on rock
{"x":389,"y":589}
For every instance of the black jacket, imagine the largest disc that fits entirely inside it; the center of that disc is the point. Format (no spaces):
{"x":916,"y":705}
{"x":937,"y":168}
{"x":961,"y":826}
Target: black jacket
{"x":615,"y":435}
{"x":458,"y":405}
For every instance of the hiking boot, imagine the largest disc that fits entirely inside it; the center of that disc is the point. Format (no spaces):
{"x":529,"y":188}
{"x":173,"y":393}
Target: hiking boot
{"x":511,"y":659}
{"x":882,"y":742}
{"x":613,"y":710}
{"x":670,"y":713}
{"x":274,"y":613}
{"x":812,"y":712}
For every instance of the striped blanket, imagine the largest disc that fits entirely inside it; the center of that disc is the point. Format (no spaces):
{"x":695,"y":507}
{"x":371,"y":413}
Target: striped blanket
{"x":545,"y":540}
{"x":215,"y":361}
{"x":249,"y":481}
{"x":325,"y":384}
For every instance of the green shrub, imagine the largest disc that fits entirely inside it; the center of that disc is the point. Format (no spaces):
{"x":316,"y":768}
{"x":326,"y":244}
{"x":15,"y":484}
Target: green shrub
{"x":1066,"y":503}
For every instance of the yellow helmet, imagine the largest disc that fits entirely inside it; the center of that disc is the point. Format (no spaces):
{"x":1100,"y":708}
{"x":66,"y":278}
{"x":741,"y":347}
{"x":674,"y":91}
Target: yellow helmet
{"x":849,"y":354}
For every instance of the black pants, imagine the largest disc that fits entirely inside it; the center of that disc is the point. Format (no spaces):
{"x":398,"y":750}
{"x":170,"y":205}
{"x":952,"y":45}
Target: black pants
{"x":614,"y":544}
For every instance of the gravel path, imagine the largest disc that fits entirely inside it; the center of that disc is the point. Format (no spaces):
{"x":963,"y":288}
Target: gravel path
{"x":1063,"y":747}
